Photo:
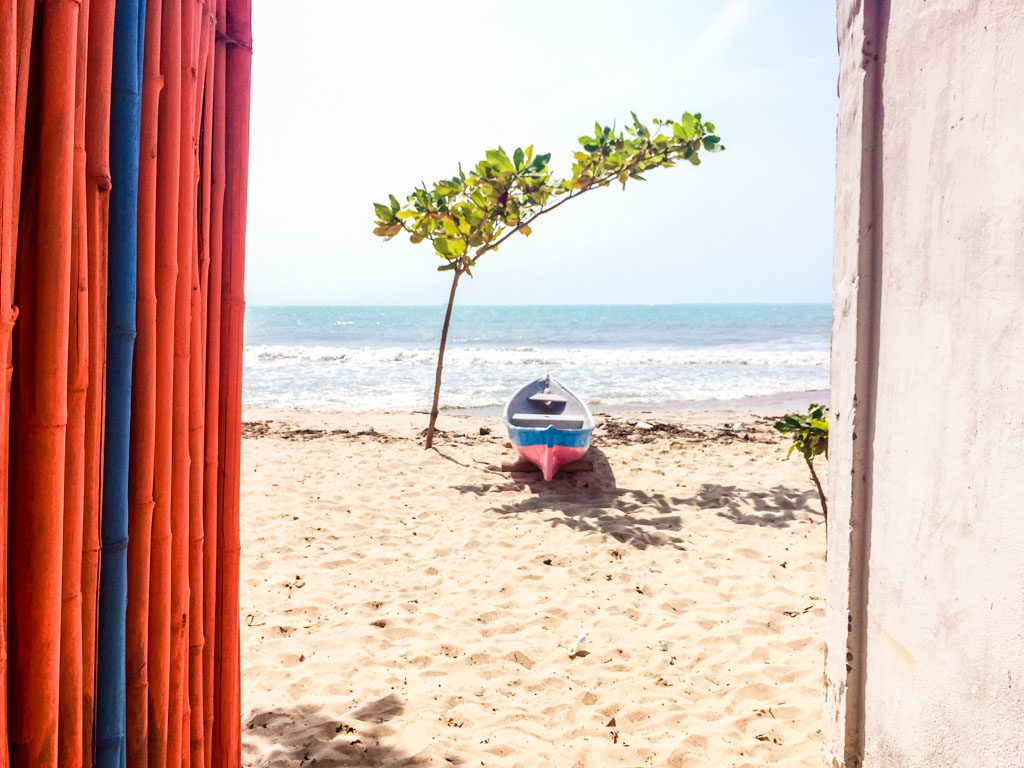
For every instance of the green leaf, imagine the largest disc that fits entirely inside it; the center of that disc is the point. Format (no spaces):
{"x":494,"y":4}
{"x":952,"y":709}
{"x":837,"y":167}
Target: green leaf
{"x":445,"y":267}
{"x":395,"y":205}
{"x":441,"y":246}
{"x":384,"y":213}
{"x":539,"y":162}
{"x":499,"y":160}
{"x":517,"y":158}
{"x":711,"y":144}
{"x":686,"y":128}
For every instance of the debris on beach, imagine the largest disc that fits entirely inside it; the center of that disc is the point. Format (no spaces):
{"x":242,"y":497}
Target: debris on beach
{"x":618,"y":430}
{"x":577,"y":646}
{"x":252,"y":430}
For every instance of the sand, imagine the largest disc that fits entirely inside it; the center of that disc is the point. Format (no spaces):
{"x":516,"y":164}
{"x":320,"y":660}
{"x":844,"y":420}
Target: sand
{"x":410,"y":607}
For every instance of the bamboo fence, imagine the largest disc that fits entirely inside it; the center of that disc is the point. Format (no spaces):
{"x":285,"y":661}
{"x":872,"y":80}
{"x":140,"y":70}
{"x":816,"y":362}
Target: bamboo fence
{"x":124,"y":130}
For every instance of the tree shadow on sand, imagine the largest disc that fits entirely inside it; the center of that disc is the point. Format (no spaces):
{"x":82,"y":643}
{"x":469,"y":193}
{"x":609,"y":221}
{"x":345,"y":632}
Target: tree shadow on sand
{"x":593,"y":502}
{"x":307,"y":737}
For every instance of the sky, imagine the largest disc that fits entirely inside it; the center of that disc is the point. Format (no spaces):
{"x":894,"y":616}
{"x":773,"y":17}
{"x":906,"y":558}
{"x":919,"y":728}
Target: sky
{"x":354,"y":100}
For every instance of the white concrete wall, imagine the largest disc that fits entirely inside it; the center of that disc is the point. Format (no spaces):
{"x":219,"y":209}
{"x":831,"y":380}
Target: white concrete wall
{"x":925,"y":663}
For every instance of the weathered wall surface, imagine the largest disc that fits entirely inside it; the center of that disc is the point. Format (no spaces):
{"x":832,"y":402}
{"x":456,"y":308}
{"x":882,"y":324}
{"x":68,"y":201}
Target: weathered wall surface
{"x":926,"y":587}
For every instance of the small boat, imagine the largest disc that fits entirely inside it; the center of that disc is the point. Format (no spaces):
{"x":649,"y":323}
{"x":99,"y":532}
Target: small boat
{"x":548,"y":425}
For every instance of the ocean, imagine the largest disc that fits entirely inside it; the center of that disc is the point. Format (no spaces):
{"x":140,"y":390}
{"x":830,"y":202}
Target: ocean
{"x":616,"y":357}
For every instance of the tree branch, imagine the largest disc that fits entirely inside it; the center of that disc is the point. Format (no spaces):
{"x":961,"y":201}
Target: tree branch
{"x":573,"y":194}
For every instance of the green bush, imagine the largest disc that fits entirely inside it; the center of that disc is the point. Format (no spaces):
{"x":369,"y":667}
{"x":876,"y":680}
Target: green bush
{"x":809,"y":433}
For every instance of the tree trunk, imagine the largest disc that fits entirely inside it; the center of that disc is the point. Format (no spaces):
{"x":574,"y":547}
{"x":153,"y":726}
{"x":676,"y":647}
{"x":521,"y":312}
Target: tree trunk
{"x":817,"y":484}
{"x":440,"y":360}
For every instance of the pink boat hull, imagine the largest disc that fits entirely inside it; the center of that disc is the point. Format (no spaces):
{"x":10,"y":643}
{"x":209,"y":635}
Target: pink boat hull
{"x":550,"y":458}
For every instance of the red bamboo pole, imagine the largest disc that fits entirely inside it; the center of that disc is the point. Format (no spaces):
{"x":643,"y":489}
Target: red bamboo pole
{"x":227,"y":723}
{"x":197,"y":384}
{"x":97,"y":164}
{"x":9,"y":151}
{"x":8,"y":90}
{"x":40,"y":412}
{"x":212,"y":435}
{"x":144,"y":391}
{"x":69,"y":734}
{"x":8,"y":105}
{"x":168,"y":169}
{"x":180,"y":523}
{"x":16,"y":26}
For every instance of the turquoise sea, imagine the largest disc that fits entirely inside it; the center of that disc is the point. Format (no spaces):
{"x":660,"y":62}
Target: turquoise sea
{"x":616,"y":357}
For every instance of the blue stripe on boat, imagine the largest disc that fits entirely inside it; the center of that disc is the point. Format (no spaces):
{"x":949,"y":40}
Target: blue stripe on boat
{"x":550,"y":436}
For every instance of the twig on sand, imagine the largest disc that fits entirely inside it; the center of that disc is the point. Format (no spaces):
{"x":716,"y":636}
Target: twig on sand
{"x":453,"y":460}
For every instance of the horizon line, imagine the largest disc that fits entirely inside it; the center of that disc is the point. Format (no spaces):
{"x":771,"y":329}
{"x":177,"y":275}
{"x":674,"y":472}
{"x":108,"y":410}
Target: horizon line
{"x":253,"y":305}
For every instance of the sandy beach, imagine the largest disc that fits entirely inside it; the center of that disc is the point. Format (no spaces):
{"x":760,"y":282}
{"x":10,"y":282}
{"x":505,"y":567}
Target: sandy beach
{"x":410,"y":607}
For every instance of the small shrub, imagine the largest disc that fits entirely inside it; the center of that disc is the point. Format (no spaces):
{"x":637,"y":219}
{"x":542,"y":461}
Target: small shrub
{"x":809,"y":433}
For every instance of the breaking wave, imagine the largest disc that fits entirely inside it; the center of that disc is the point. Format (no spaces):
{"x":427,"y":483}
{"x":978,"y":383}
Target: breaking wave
{"x":263,"y":355}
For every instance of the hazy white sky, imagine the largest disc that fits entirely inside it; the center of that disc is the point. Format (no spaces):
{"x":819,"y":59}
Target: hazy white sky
{"x":353,"y":100}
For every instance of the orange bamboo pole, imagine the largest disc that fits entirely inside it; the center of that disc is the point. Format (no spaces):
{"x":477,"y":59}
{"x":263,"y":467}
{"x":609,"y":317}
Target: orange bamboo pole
{"x":8,"y":106}
{"x":10,"y":182}
{"x":40,"y":411}
{"x":69,"y":735}
{"x":212,"y":434}
{"x":168,"y":169}
{"x":180,"y":523}
{"x":197,"y":384}
{"x":97,"y":164}
{"x":8,"y":90}
{"x":15,"y":39}
{"x":15,"y":51}
{"x":144,"y":389}
{"x":227,"y":722}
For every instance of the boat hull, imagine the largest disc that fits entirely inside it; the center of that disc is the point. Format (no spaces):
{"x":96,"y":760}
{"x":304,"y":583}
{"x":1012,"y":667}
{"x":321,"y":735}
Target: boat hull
{"x":550,"y":449}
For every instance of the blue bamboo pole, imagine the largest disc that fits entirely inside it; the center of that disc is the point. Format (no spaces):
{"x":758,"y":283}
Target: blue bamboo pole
{"x":125,"y":120}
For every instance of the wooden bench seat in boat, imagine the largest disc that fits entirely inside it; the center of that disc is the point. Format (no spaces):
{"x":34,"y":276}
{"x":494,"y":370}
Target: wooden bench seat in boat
{"x":547,"y":398}
{"x":547,"y":420}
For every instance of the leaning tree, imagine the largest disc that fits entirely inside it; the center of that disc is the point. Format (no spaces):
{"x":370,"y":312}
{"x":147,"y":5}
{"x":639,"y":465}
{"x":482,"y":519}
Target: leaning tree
{"x":470,"y":214}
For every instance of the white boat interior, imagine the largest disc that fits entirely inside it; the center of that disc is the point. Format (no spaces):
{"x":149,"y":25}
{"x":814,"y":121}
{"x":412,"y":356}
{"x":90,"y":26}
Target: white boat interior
{"x":546,"y":403}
